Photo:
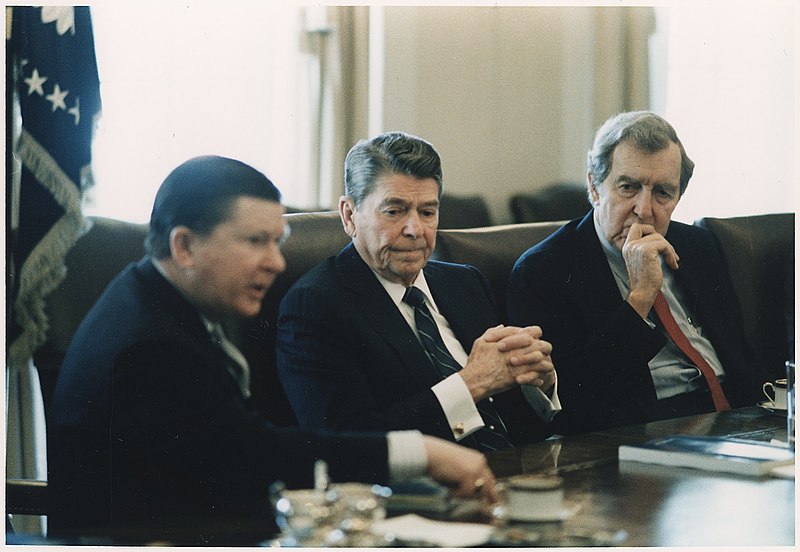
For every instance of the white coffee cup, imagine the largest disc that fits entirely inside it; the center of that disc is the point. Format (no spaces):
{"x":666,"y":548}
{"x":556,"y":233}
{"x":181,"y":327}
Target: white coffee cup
{"x":533,"y":497}
{"x":776,"y":393}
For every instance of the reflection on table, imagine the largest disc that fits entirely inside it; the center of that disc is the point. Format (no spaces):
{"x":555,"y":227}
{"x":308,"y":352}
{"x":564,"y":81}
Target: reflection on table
{"x":636,"y":504}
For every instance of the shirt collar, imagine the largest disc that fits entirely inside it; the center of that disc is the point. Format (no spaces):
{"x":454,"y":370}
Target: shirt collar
{"x":397,"y":291}
{"x":209,"y":325}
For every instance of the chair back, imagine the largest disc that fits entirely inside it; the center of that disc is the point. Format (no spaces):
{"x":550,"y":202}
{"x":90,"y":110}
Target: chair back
{"x":559,"y":201}
{"x":493,"y":251}
{"x":314,"y":237}
{"x":464,"y":212}
{"x":759,"y":252}
{"x":99,"y":254}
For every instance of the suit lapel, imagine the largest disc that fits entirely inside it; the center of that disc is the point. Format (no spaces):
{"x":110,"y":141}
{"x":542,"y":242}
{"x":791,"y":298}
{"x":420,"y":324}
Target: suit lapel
{"x":187,"y":322}
{"x":169,"y":299}
{"x":597,"y":290}
{"x":691,"y":276}
{"x":696,"y":281}
{"x":370,"y":300}
{"x":463,"y":307}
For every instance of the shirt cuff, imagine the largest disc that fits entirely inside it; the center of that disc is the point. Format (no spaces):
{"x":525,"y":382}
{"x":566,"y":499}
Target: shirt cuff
{"x":459,"y":408}
{"x":545,"y":407}
{"x":406,"y":455}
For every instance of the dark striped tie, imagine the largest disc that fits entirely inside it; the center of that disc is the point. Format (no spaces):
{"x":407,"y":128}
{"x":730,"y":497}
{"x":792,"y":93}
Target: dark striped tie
{"x":237,"y":364}
{"x":494,"y":435}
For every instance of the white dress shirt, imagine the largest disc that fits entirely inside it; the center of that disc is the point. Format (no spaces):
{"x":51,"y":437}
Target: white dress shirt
{"x":452,"y":393}
{"x":672,"y":371}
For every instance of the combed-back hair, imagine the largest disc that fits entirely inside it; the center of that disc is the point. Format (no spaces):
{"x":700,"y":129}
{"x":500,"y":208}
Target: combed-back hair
{"x":199,"y":194}
{"x":389,"y":153}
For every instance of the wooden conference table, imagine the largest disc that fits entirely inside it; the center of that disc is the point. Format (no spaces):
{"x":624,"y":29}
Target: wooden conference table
{"x":636,"y":504}
{"x":631,"y":505}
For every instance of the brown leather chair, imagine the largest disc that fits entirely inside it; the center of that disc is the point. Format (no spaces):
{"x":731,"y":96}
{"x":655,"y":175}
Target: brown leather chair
{"x":314,"y":237}
{"x":26,"y":497}
{"x":464,"y":212}
{"x":559,"y":201}
{"x":492,"y":250}
{"x":98,"y":255}
{"x":759,"y":252}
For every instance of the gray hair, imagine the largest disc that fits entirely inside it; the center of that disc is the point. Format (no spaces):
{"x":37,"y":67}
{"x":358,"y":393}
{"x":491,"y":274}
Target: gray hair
{"x":643,"y":130}
{"x":390,"y":152}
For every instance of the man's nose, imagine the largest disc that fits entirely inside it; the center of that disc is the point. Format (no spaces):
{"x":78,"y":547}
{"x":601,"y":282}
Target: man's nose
{"x":413,"y":224}
{"x":644,"y":205}
{"x":273,"y":260}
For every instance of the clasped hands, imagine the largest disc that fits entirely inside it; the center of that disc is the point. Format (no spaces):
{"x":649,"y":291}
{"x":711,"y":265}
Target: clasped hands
{"x":506,"y":356}
{"x":643,"y":250}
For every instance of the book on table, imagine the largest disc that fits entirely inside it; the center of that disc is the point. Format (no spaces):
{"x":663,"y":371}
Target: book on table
{"x":724,"y":454}
{"x":421,"y":495}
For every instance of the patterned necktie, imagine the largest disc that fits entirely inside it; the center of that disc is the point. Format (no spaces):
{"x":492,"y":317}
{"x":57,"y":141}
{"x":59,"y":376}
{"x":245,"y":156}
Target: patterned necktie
{"x":494,"y":435}
{"x":237,"y":365}
{"x":665,"y":315}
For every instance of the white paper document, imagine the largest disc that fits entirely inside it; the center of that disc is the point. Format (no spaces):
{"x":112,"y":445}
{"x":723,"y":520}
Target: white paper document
{"x":422,"y":531}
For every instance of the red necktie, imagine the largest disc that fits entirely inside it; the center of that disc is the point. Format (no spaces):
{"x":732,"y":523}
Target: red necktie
{"x":680,"y":339}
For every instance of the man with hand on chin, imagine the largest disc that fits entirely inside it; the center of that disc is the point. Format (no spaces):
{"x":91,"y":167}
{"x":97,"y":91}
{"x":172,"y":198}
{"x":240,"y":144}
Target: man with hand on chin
{"x":601,"y":288}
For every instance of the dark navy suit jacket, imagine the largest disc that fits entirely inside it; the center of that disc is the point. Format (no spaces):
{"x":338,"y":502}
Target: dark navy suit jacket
{"x":601,"y":346}
{"x":348,"y":359}
{"x":150,"y":429}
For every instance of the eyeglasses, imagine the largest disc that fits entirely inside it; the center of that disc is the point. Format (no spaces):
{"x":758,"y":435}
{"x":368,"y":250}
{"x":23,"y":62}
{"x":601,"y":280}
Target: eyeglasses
{"x":287,"y":231}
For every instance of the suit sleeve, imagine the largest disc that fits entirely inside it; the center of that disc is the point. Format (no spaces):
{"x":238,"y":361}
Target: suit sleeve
{"x":332,"y":370}
{"x":601,"y":362}
{"x":470,"y":319}
{"x":181,"y":418}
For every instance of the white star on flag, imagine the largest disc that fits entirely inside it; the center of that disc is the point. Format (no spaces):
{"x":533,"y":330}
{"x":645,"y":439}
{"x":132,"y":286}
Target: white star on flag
{"x":64,"y":16}
{"x":57,"y":98}
{"x":76,"y":111}
{"x":35,"y":83}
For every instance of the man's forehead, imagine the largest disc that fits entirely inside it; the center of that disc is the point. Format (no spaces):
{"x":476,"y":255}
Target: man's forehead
{"x":255,"y":209}
{"x":629,"y":160}
{"x":395,"y":199}
{"x":404,"y":188}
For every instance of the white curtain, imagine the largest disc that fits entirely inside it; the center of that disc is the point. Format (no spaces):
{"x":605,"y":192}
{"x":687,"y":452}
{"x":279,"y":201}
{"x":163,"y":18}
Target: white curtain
{"x":344,"y":90}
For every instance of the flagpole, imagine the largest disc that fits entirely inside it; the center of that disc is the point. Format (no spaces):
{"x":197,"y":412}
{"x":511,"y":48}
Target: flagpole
{"x":11,"y":196}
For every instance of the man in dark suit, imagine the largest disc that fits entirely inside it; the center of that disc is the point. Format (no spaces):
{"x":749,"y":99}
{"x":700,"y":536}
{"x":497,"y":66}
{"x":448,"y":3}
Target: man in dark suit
{"x":154,"y":436}
{"x":351,"y":352}
{"x":593,"y":284}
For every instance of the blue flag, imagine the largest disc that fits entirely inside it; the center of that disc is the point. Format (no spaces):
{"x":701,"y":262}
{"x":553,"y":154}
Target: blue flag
{"x":57,"y":86}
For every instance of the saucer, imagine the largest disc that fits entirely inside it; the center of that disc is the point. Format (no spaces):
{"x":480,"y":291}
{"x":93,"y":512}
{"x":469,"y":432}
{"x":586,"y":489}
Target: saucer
{"x":770,"y":406}
{"x":559,"y":514}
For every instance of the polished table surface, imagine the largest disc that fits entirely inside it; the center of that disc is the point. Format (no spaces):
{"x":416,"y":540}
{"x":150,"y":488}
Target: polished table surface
{"x":635,"y":504}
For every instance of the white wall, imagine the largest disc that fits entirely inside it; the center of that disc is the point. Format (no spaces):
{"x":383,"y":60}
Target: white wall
{"x":510,"y":96}
{"x":732,"y":95}
{"x":486,"y":87}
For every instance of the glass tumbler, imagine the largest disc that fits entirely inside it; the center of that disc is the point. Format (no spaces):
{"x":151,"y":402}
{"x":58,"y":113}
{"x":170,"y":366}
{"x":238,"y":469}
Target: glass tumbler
{"x":790,"y":394}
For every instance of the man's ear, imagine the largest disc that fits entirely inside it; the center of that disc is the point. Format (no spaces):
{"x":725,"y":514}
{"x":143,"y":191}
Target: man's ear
{"x":347,"y":211}
{"x":592,"y":190}
{"x":180,"y":245}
